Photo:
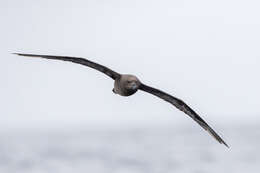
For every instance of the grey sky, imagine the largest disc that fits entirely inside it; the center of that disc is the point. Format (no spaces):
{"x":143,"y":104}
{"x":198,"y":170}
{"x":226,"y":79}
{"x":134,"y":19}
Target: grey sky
{"x":204,"y":52}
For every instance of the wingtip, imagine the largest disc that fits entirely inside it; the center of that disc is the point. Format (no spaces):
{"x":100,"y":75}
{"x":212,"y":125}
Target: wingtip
{"x":221,"y":141}
{"x":225,"y":144}
{"x":19,"y":54}
{"x":216,"y":136}
{"x":23,"y":54}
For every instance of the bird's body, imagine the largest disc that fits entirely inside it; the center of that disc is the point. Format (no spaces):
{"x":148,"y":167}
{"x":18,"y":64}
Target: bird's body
{"x":127,"y":85}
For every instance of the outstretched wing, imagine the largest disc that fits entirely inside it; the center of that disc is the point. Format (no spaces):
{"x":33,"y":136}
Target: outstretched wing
{"x":78,"y":60}
{"x":183,"y":107}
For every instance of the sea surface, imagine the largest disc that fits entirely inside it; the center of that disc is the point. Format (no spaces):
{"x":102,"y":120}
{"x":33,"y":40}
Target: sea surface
{"x":129,"y":150}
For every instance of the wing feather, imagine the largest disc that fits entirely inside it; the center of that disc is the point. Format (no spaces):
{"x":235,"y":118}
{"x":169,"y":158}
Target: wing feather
{"x":78,"y":60}
{"x":184,"y":108}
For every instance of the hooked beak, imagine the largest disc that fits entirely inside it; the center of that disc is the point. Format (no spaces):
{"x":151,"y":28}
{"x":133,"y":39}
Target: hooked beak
{"x":114,"y":91}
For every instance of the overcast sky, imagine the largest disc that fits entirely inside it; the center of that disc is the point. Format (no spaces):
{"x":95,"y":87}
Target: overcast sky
{"x":204,"y":52}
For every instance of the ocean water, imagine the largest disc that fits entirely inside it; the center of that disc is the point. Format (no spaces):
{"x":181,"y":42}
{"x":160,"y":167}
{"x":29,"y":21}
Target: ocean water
{"x":129,"y":150}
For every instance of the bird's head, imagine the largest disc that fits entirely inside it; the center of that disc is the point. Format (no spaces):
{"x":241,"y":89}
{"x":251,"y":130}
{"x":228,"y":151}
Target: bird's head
{"x":132,"y":82}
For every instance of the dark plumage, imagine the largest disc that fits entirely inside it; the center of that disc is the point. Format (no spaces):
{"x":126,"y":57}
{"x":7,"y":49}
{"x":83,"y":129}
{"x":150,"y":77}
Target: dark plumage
{"x":126,"y":85}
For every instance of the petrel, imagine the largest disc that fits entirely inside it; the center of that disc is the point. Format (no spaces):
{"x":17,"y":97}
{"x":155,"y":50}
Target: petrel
{"x":127,"y":85}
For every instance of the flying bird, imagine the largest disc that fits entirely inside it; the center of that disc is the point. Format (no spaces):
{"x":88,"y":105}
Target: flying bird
{"x":127,"y":85}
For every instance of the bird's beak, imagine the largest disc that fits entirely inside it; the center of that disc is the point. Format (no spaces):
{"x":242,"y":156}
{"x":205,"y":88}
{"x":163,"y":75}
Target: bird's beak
{"x":114,"y":91}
